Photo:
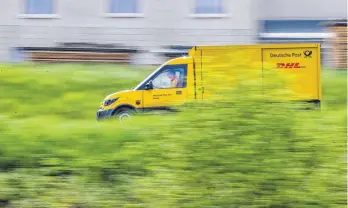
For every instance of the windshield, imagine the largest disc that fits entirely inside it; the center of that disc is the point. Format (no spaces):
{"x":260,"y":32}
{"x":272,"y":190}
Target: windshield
{"x":148,"y":77}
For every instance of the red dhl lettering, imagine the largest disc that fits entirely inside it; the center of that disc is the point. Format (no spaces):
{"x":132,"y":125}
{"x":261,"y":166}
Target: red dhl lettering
{"x":289,"y":65}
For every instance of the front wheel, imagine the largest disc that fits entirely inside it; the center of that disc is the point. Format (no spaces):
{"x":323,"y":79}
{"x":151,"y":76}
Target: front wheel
{"x":124,"y":114}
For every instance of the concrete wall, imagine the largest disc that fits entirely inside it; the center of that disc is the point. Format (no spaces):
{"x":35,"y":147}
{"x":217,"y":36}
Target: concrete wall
{"x":303,"y":9}
{"x":160,"y":23}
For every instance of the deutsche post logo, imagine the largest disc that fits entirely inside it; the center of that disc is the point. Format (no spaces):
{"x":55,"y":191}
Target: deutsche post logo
{"x":289,"y":65}
{"x":308,"y":54}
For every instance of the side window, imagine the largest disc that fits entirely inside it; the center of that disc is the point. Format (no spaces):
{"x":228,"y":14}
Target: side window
{"x":172,"y":76}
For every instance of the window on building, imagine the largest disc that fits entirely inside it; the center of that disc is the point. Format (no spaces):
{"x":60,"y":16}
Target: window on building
{"x":208,"y":6}
{"x":123,"y":6}
{"x":39,"y":7}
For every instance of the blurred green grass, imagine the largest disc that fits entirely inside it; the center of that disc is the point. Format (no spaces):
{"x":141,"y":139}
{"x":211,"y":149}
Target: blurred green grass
{"x":54,"y":154}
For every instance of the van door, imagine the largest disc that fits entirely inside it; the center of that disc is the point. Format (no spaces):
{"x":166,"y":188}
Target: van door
{"x":301,"y":65}
{"x":198,"y":75}
{"x":169,"y":88}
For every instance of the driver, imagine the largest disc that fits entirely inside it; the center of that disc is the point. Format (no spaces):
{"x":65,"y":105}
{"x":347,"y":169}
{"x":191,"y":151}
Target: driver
{"x":173,"y":79}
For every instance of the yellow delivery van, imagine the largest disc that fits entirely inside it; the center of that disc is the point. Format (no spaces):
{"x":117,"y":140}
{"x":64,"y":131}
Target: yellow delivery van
{"x":193,"y":77}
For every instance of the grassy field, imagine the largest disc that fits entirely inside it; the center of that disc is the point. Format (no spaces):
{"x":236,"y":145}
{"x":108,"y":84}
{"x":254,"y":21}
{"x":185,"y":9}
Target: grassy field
{"x":53,"y":153}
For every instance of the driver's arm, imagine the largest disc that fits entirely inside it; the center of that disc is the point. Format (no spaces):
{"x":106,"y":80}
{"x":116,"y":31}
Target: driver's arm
{"x":174,"y":83}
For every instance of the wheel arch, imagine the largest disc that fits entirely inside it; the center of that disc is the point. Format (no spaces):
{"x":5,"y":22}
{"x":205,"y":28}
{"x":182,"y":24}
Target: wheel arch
{"x":123,"y":106}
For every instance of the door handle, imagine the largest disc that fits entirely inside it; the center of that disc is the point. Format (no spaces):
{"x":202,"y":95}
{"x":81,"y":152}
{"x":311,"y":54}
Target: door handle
{"x":179,"y":92}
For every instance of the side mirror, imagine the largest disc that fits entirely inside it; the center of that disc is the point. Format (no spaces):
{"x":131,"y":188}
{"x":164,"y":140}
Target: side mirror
{"x":149,"y":86}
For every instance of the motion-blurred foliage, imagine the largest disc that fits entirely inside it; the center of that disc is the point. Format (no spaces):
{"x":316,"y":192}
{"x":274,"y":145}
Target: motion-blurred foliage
{"x":240,"y":152}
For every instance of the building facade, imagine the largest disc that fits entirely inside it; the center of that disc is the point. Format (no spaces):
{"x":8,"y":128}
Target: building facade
{"x":147,"y":24}
{"x":151,"y":24}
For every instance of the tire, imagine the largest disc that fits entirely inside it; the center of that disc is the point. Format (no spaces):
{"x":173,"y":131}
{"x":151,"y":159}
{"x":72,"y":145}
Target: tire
{"x":123,"y":114}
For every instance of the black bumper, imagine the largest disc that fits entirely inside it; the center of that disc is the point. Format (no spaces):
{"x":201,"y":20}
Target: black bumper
{"x":104,"y":114}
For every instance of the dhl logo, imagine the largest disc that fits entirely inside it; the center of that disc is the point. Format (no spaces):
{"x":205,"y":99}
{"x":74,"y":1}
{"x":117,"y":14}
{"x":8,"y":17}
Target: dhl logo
{"x":289,"y":66}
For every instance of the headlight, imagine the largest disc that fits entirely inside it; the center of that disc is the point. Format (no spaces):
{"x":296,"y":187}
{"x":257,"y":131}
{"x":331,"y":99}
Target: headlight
{"x":110,"y":101}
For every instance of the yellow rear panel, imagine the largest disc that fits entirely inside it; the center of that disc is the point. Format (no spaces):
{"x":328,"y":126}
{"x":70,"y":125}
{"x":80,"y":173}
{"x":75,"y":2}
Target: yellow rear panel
{"x":299,"y":64}
{"x":218,"y":67}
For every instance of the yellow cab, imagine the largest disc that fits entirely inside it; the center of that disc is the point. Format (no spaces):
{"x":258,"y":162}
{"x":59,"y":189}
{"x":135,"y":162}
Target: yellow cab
{"x":187,"y":78}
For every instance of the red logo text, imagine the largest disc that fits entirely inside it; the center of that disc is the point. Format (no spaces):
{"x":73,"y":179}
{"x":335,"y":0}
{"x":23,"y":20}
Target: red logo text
{"x":289,"y":66}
